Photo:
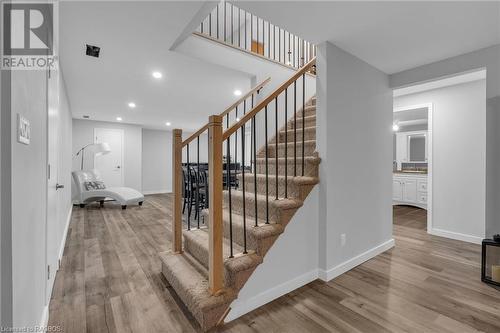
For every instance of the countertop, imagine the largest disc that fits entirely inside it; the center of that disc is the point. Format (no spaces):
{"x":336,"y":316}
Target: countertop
{"x":399,"y":172}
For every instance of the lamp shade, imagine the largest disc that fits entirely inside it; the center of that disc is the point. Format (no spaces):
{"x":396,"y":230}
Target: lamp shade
{"x":101,"y":148}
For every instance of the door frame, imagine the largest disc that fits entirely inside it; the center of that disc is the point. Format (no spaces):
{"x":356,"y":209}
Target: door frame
{"x":122,"y":166}
{"x":430,"y":156}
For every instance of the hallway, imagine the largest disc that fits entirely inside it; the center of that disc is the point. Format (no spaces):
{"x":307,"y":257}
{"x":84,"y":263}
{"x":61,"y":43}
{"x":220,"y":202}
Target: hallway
{"x":110,"y":281}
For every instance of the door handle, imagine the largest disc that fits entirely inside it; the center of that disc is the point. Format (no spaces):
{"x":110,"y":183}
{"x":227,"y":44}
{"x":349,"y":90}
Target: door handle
{"x":118,"y":167}
{"x":58,"y":186}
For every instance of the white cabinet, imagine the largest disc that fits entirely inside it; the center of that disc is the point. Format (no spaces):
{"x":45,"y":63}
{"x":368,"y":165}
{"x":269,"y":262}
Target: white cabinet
{"x":409,"y":189}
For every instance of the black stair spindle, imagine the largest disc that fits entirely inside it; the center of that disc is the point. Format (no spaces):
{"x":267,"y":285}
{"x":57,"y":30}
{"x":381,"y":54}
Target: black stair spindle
{"x":246,"y":48}
{"x":188,"y":175}
{"x":225,"y":21}
{"x":268,"y":40}
{"x":198,"y":181}
{"x":295,"y":128}
{"x":217,"y":20}
{"x":286,"y":142}
{"x":243,"y":188}
{"x":239,"y":28}
{"x":210,"y":24}
{"x":228,"y":184}
{"x":276,"y":143}
{"x":236,"y":143}
{"x":279,"y":44}
{"x":267,"y":166}
{"x":254,"y":167}
{"x":303,"y":120}
{"x":274,"y":42}
{"x":201,"y":26}
{"x":232,"y":25}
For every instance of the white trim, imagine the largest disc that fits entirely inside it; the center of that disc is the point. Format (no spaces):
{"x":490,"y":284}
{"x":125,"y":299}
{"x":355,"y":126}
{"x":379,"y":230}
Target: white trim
{"x":157,"y":191}
{"x":44,"y":321}
{"x":240,"y":309}
{"x":456,"y":236}
{"x":65,"y":234}
{"x":327,"y":275}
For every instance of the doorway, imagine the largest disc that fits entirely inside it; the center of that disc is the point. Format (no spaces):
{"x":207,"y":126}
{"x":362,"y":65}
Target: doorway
{"x":110,"y":166}
{"x":412,"y":165}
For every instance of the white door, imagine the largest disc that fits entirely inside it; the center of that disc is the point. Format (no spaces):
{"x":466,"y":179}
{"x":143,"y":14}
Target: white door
{"x":53,"y":121}
{"x":410,"y":191}
{"x":110,"y":165}
{"x":397,"y":190}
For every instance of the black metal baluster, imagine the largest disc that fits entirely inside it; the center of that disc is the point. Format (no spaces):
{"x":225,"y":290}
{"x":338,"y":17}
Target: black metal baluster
{"x":295,"y":128}
{"x":286,"y":142}
{"x":246,"y":48}
{"x":276,"y":143}
{"x":279,"y":44}
{"x":232,"y":25}
{"x":254,"y":167}
{"x":243,"y":188}
{"x":303,"y":119}
{"x":267,"y":168}
{"x":257,"y":24}
{"x":236,"y":143}
{"x":228,"y":183}
{"x":201,"y":26}
{"x":210,"y":24}
{"x":217,"y":20}
{"x":268,"y":40}
{"x":274,"y":42}
{"x":251,"y":31}
{"x":188,"y":175}
{"x":294,"y":52}
{"x":198,"y":181}
{"x":239,"y":28}
{"x":224,"y":21}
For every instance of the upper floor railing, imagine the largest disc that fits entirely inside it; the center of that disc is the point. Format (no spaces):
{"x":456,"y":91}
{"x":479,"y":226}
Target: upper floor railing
{"x":236,"y":27}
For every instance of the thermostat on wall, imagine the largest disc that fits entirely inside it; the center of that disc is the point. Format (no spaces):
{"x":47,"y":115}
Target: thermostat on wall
{"x":23,"y":130}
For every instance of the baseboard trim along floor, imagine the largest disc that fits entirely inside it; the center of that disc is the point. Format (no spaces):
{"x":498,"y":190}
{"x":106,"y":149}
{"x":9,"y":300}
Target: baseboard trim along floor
{"x":327,"y":275}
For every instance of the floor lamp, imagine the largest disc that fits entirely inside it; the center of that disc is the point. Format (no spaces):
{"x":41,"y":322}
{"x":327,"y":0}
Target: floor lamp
{"x":97,"y":148}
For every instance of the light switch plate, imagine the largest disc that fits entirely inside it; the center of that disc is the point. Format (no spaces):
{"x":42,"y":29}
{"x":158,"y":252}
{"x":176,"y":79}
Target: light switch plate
{"x":23,"y":130}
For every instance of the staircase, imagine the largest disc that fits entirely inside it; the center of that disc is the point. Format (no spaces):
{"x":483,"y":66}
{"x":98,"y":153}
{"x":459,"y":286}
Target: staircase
{"x":255,"y":212}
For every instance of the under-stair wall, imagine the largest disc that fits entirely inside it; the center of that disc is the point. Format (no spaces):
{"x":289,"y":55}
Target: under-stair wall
{"x":291,"y":263}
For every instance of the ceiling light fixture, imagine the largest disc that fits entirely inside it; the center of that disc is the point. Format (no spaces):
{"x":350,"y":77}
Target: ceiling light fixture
{"x":119,"y":118}
{"x":395,"y":127}
{"x":131,"y":105}
{"x":157,"y":75}
{"x":237,"y":93}
{"x":168,"y":123}
{"x":237,"y":119}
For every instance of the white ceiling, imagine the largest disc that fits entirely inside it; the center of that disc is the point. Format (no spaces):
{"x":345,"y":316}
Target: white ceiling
{"x":134,"y":38}
{"x":393,"y":35}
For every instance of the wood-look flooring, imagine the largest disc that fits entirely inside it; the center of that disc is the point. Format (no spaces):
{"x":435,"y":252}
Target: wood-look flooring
{"x":110,"y":281}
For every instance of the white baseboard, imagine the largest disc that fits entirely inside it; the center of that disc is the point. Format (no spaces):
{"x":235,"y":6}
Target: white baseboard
{"x":455,"y":235}
{"x":240,"y":309}
{"x":65,"y":234}
{"x":327,"y":275}
{"x":45,"y":317}
{"x":156,"y":192}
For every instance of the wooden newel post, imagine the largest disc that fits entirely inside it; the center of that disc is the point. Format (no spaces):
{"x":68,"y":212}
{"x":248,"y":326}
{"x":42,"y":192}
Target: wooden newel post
{"x":177,"y":191}
{"x":215,"y":258}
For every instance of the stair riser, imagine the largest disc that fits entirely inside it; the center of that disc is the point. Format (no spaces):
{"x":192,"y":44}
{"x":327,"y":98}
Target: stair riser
{"x":260,"y":246}
{"x":310,"y":169}
{"x":309,"y":121}
{"x":290,"y":150}
{"x":274,"y":215}
{"x":310,"y":134}
{"x":310,"y":111}
{"x":294,"y":190}
{"x":206,"y":319}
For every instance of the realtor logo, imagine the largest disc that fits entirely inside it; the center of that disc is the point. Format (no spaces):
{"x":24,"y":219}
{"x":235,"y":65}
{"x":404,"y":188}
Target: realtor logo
{"x":28,"y":35}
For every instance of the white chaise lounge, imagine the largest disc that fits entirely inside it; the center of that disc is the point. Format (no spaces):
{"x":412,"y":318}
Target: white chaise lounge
{"x":90,"y":188}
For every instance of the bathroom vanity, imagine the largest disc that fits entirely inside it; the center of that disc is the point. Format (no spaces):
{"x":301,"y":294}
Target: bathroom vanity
{"x":409,"y":188}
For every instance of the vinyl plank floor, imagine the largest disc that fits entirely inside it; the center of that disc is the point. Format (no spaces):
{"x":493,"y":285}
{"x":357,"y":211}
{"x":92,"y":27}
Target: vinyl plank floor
{"x":110,"y":281}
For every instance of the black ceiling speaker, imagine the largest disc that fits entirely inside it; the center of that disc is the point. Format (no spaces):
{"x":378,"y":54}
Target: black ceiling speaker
{"x":93,"y":51}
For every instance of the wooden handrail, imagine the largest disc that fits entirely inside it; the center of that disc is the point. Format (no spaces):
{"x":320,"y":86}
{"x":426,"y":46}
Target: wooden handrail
{"x":250,"y":114}
{"x":229,"y":109}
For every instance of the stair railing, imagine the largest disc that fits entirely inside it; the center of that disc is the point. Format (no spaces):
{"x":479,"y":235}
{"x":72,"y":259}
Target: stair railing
{"x":253,"y":124}
{"x":189,"y":186}
{"x":240,"y":29}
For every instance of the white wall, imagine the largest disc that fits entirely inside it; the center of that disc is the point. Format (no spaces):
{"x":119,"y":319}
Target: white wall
{"x":354,"y":139}
{"x":83,"y":133}
{"x":156,"y":161}
{"x":290,"y":263}
{"x":458,"y":158}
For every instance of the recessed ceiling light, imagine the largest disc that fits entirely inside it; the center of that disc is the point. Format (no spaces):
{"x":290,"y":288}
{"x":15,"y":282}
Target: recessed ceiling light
{"x":237,"y":93}
{"x":168,"y":123}
{"x":119,"y":118}
{"x":157,"y":75}
{"x":395,"y":127}
{"x":237,"y":119}
{"x":131,"y":105}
